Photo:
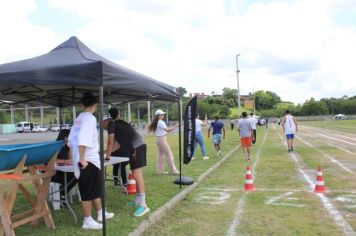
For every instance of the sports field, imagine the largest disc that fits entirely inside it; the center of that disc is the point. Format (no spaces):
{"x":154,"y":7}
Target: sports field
{"x":284,"y":202}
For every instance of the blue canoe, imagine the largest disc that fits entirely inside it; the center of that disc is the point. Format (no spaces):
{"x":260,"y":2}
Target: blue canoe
{"x":37,"y":153}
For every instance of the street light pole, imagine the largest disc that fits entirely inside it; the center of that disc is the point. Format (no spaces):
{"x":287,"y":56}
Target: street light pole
{"x":238,"y":87}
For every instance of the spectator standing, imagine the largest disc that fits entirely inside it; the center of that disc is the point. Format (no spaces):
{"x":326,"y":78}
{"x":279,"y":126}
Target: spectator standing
{"x":254,"y":122}
{"x":83,"y":140}
{"x":199,"y":136}
{"x":290,"y":127}
{"x":218,"y":134}
{"x":246,"y":134}
{"x":232,"y":124}
{"x":160,"y":129}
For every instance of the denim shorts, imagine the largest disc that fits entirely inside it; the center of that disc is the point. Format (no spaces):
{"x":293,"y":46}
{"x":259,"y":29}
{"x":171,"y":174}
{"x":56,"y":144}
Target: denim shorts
{"x":217,"y":138}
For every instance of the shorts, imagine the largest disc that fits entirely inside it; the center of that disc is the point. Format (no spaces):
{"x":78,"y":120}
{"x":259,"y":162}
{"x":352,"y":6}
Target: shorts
{"x":138,"y":157}
{"x":290,"y":136}
{"x":90,"y":183}
{"x":217,"y":138}
{"x":246,"y":141}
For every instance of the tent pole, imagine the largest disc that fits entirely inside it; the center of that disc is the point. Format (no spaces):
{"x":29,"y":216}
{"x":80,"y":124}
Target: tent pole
{"x":180,"y":141}
{"x":101,"y":106}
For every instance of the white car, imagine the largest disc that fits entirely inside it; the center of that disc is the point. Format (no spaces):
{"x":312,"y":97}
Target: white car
{"x":54,"y":128}
{"x":39,"y":129}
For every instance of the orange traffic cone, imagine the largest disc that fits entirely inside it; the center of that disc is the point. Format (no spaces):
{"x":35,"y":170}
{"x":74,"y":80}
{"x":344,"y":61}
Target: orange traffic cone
{"x":249,"y":180}
{"x":131,"y":185}
{"x":319,"y":183}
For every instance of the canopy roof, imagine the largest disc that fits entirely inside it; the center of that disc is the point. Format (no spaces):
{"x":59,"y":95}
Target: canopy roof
{"x":61,"y":76}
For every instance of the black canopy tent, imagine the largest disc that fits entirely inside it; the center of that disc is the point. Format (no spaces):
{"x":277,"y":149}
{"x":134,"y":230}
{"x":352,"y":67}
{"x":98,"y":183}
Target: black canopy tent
{"x":60,"y":77}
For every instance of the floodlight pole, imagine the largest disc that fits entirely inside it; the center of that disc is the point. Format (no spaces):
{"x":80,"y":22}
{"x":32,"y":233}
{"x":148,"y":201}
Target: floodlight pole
{"x":238,"y":87}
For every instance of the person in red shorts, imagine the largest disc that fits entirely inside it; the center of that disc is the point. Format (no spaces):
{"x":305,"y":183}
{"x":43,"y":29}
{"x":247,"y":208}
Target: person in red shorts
{"x":246,"y":135}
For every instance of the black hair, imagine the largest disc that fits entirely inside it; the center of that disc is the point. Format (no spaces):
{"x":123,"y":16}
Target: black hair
{"x":64,"y":133}
{"x":88,"y":99}
{"x":287,"y":112}
{"x":244,"y":114}
{"x":113,"y":113}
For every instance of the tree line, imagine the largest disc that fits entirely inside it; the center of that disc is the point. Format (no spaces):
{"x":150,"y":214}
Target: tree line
{"x":267,"y":104}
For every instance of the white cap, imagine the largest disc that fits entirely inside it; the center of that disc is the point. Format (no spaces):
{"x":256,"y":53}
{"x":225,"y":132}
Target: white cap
{"x":159,"y":112}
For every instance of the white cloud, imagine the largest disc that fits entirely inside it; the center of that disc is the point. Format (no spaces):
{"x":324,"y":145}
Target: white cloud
{"x":294,"y":48}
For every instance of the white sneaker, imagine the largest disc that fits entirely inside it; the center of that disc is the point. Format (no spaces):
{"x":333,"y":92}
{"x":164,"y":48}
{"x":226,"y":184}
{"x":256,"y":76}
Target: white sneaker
{"x":108,"y":216}
{"x":193,"y":158}
{"x":91,"y":224}
{"x":219,"y":153}
{"x":206,"y":158}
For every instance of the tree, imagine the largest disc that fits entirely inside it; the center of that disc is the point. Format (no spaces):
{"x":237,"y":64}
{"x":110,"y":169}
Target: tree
{"x":229,"y":96}
{"x":314,"y":108}
{"x":181,"y":91}
{"x":266,"y":99}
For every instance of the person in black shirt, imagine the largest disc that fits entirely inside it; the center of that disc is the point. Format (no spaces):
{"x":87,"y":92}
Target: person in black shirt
{"x":63,"y":158}
{"x":131,"y":144}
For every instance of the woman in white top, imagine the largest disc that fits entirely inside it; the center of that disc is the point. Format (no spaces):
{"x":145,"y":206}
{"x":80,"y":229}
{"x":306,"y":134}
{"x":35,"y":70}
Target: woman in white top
{"x":160,"y":129}
{"x":199,"y":136}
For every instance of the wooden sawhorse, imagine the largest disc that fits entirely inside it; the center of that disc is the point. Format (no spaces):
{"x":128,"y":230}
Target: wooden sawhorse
{"x":38,"y":202}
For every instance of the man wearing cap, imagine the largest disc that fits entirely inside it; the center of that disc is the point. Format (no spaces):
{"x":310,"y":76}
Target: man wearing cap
{"x":160,"y":129}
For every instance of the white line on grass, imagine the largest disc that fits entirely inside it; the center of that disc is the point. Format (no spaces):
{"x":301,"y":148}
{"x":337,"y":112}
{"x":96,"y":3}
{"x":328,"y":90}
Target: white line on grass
{"x":241,"y":203}
{"x":273,"y":190}
{"x":337,"y":139}
{"x":332,"y":145}
{"x":327,"y":156}
{"x":334,"y":132}
{"x":163,"y":210}
{"x":333,"y":212}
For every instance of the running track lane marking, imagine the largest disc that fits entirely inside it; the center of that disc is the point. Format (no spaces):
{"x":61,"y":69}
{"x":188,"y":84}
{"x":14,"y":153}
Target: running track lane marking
{"x":332,"y":145}
{"x":241,"y":203}
{"x":328,"y":137}
{"x":163,"y":210}
{"x":327,"y":156}
{"x":334,"y":132}
{"x":333,"y":212}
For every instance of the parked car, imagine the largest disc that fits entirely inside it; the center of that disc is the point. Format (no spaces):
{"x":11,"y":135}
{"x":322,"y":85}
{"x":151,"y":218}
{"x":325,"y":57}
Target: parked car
{"x":39,"y":129}
{"x":54,"y":128}
{"x":24,"y":126}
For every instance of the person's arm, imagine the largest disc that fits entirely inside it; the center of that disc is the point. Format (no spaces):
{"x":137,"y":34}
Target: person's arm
{"x":282,"y":124}
{"x":82,"y":159}
{"x":223,"y":129}
{"x":171,"y":128}
{"x":110,"y":145}
{"x":205,"y":122}
{"x":296,"y":124}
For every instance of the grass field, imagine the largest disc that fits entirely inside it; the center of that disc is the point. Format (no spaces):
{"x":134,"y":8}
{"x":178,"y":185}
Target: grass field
{"x":283,"y":204}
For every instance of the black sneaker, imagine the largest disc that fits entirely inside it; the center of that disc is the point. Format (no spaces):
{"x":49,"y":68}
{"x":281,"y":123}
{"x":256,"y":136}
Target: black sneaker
{"x":288,"y":150}
{"x":291,"y":149}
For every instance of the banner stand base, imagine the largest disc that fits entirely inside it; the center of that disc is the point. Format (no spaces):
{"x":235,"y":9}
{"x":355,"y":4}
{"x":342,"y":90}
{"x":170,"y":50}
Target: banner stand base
{"x":183,"y":180}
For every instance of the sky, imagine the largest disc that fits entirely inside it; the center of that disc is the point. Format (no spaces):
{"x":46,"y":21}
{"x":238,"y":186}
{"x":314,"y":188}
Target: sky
{"x":299,"y":49}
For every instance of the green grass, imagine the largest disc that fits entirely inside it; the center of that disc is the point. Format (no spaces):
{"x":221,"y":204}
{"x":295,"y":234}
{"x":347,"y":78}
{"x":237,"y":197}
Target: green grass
{"x":159,"y":190}
{"x":300,"y":213}
{"x":275,"y":174}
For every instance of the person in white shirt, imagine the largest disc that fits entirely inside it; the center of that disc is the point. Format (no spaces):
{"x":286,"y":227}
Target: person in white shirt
{"x":254,"y":122}
{"x":160,"y":129}
{"x":290,"y":127}
{"x":199,"y":136}
{"x":83,"y":141}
